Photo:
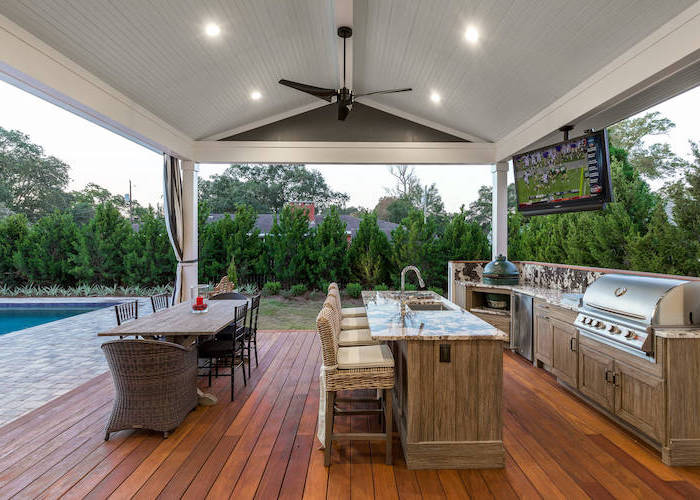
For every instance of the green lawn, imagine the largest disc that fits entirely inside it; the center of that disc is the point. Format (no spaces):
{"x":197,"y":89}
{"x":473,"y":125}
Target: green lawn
{"x":277,"y":313}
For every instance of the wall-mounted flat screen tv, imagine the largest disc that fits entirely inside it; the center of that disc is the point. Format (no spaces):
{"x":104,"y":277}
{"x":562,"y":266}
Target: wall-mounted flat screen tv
{"x":568,"y":176}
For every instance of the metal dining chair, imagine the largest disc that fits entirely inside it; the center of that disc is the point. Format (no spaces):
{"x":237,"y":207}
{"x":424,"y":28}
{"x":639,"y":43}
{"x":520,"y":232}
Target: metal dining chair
{"x":251,"y":331}
{"x":127,"y":311}
{"x":233,"y":348}
{"x":160,"y":301}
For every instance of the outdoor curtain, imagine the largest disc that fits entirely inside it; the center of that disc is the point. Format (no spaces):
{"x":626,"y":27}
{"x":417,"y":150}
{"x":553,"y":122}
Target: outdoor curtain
{"x":172,"y":204}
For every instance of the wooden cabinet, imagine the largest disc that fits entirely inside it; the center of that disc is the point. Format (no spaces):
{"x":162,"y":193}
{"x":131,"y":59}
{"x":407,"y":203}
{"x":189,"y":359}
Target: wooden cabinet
{"x":564,"y":351}
{"x":595,"y":371}
{"x":639,"y":399}
{"x":542,"y":331}
{"x":619,"y":385}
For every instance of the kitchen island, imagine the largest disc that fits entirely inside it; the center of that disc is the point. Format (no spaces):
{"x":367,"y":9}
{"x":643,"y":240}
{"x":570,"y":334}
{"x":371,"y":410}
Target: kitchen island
{"x":449,"y":379}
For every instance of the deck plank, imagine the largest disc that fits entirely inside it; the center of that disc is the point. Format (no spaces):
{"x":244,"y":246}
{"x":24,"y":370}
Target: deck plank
{"x":264,"y":445}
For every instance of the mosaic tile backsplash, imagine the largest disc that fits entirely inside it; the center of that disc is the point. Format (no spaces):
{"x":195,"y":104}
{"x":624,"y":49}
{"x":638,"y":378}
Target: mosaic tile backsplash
{"x":542,"y":275}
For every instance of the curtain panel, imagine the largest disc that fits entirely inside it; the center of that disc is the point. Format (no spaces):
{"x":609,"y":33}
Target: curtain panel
{"x":172,"y":204}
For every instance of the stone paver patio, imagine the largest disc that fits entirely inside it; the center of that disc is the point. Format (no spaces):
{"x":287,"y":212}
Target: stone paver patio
{"x":40,"y":363}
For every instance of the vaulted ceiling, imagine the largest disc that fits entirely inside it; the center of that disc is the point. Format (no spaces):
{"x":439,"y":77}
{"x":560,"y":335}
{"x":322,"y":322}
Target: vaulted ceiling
{"x":530,"y":53}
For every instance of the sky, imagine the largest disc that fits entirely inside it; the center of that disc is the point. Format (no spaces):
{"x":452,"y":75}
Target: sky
{"x":100,"y":156}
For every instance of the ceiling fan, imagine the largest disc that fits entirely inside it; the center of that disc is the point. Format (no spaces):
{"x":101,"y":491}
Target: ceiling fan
{"x":344,"y":96}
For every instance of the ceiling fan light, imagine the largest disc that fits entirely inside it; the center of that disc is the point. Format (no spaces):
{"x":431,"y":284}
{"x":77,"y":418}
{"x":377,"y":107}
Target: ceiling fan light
{"x":212,"y":30}
{"x":471,"y":34}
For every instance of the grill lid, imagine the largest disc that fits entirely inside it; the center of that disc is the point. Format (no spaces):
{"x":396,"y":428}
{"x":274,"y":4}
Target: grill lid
{"x":630,"y":296}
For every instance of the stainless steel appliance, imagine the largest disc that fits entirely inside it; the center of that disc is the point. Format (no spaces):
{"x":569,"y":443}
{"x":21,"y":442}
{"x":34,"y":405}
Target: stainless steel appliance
{"x":623,"y":310}
{"x":521,"y":327}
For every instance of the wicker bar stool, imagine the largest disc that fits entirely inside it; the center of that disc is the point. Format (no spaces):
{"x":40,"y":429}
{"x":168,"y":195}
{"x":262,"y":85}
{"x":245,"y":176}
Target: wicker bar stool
{"x":353,"y":368}
{"x":348,"y":322}
{"x":349,"y":337}
{"x":346,"y":312}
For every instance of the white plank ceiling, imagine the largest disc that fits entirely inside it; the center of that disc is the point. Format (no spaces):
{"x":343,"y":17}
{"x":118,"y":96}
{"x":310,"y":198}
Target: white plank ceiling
{"x":530,"y":53}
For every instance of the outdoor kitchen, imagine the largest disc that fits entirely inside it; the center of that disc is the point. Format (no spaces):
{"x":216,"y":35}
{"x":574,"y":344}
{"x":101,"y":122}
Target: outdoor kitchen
{"x":626,"y":343}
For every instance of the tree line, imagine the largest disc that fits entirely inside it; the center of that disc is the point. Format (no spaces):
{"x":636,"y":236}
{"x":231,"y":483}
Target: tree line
{"x":297,"y":252}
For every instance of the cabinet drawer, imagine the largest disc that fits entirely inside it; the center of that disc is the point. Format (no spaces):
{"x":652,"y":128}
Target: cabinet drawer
{"x":560,"y":313}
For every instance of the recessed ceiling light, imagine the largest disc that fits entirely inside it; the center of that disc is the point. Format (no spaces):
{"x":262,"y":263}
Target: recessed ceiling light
{"x":435,"y":97}
{"x":255,"y":95}
{"x":212,"y":30}
{"x":471,"y":34}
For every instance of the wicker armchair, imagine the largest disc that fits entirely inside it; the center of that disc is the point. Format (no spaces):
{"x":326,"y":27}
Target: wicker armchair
{"x":351,"y":368}
{"x":155,"y":384}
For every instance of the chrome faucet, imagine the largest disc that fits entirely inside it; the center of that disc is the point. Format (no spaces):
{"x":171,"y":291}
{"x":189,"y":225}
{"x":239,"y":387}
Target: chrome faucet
{"x":403,"y":277}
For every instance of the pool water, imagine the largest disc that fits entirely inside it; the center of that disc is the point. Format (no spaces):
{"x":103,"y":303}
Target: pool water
{"x":15,"y":317}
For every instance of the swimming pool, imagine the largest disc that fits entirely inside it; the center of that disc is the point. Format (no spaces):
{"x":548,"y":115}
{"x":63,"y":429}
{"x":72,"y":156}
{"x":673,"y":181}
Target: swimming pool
{"x":19,"y":315}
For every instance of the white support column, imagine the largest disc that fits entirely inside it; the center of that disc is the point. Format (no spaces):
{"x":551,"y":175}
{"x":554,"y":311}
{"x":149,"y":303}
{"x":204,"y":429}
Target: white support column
{"x":499,"y":214}
{"x":190,"y":248}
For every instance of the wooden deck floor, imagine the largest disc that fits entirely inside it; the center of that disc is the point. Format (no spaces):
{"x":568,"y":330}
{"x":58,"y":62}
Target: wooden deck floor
{"x":262,"y":445}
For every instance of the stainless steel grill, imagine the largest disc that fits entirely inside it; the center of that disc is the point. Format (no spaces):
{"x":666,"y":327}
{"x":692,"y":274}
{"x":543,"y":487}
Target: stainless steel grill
{"x":623,"y":310}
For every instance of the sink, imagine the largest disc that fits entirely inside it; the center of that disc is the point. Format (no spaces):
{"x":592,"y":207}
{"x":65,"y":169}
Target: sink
{"x":427,"y":306}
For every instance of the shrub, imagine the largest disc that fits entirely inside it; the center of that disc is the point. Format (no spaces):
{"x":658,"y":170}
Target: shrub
{"x":248,"y":289}
{"x":381,"y":287}
{"x":354,"y":290}
{"x":298,"y":289}
{"x":272,"y":288}
{"x":436,"y":289}
{"x":410,"y":287}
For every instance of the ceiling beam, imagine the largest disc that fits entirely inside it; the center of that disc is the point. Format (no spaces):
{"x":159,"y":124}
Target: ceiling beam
{"x":427,"y":153}
{"x":658,"y":57}
{"x":29,"y":63}
{"x":343,"y":17}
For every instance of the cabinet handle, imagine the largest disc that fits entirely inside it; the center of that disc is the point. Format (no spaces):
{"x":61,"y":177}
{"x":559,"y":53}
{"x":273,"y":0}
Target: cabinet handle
{"x":615,"y":377}
{"x":572,"y":344}
{"x":607,"y":376}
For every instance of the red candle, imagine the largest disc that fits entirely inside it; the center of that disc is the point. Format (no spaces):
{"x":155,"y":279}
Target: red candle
{"x":200,"y":301}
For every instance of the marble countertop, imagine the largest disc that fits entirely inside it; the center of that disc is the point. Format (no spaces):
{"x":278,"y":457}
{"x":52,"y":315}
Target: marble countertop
{"x":447,"y":321}
{"x":550,"y":295}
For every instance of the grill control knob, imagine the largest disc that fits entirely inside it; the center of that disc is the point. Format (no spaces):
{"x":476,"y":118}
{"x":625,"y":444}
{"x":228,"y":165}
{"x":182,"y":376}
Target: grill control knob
{"x":629,"y":334}
{"x":613,"y":329}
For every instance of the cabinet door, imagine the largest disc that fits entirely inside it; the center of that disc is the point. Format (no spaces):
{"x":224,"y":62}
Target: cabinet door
{"x":543,"y":337}
{"x":595,"y":375}
{"x":639,"y":399}
{"x":564,"y":351}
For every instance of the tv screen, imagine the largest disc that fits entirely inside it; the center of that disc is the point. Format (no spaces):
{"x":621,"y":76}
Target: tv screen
{"x":569,"y":176}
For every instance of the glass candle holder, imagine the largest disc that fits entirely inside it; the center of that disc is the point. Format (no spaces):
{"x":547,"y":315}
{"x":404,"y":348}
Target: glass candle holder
{"x":199,"y":297}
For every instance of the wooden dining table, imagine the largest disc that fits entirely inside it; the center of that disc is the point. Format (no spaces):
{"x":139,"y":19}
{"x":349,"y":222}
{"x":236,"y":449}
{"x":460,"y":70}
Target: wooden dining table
{"x":180,"y":325}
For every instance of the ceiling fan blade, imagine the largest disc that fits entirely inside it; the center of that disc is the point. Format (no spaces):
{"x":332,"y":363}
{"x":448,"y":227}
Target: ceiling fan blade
{"x":392,"y":91}
{"x":343,"y":112}
{"x":321,"y":93}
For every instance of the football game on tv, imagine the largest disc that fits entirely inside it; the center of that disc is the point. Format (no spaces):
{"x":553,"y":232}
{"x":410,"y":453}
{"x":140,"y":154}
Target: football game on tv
{"x":568,"y":176}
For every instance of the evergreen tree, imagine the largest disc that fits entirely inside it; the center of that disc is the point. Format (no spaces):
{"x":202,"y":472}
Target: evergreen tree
{"x":332,"y":248}
{"x":369,"y":254}
{"x":663,"y":249}
{"x":52,"y":252}
{"x":13,"y":230}
{"x":291,"y":244}
{"x":150,"y":260}
{"x":214,"y":254}
{"x":107,"y":237}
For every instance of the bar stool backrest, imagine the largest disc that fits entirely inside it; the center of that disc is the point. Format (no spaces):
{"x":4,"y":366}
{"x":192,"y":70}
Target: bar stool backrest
{"x":335,"y":314}
{"x":160,"y":301}
{"x":127,"y":311}
{"x":336,"y":296}
{"x":326,"y":332}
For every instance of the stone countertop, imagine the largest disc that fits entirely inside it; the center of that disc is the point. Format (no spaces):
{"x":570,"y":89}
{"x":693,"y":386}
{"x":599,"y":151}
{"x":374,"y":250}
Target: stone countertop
{"x":550,"y":295}
{"x":678,"y":333}
{"x":447,"y":322}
